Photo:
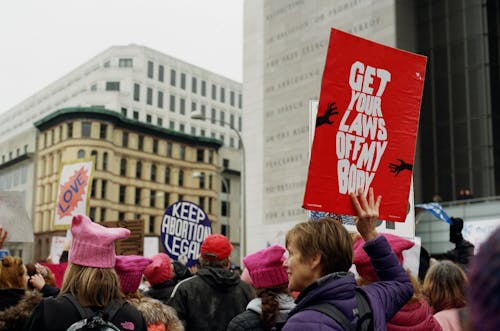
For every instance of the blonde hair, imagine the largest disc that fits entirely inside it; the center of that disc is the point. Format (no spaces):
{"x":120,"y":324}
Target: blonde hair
{"x":92,"y":286}
{"x":444,"y":286}
{"x":327,"y":237}
{"x":12,"y":272}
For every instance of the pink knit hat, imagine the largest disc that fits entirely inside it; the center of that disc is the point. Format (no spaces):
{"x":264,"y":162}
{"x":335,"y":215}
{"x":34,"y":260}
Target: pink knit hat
{"x":129,"y":269}
{"x":362,"y":261}
{"x":93,"y":244}
{"x":159,"y":270}
{"x":266,"y":267}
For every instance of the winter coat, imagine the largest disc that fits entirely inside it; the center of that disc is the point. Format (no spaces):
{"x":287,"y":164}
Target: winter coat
{"x":449,"y":319}
{"x":57,"y":314}
{"x":385,"y":297}
{"x":161,"y":291}
{"x":210,"y":299}
{"x":10,"y":297}
{"x":250,"y":320}
{"x":14,"y":317}
{"x":416,"y":315}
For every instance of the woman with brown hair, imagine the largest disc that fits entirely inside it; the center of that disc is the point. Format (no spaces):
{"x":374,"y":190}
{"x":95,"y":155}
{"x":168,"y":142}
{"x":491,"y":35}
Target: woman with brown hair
{"x":90,"y":283}
{"x":270,"y":309}
{"x":445,"y":287}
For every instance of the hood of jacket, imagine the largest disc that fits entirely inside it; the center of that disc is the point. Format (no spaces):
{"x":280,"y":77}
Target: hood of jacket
{"x":219,"y":278}
{"x":416,"y":315}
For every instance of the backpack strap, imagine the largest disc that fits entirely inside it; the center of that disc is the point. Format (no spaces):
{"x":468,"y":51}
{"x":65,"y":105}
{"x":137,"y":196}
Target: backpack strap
{"x":85,"y":312}
{"x":112,"y":309}
{"x":334,"y":313}
{"x":365,"y":314}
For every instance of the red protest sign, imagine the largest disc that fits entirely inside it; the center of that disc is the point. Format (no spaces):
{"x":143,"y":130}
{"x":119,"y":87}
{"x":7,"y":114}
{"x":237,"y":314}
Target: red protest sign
{"x":366,"y":126}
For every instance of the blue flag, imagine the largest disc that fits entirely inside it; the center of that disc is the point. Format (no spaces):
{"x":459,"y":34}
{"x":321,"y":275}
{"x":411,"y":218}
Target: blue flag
{"x":435,"y":209}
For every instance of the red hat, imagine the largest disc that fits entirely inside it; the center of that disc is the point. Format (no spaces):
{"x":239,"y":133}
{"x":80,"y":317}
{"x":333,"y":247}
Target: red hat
{"x":362,"y":261}
{"x":216,"y":247}
{"x":129,"y":269}
{"x":159,"y":270}
{"x":266,"y":267}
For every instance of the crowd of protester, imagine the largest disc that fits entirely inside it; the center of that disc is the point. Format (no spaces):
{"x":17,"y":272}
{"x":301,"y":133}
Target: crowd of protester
{"x":324,"y":279}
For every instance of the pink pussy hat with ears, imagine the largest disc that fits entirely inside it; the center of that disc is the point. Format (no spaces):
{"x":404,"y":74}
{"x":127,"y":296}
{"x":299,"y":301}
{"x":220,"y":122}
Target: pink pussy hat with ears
{"x":130,"y":269}
{"x":93,"y":244}
{"x":266,"y":267}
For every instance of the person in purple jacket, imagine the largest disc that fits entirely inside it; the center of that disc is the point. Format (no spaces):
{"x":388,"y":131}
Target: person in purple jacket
{"x":320,"y":255}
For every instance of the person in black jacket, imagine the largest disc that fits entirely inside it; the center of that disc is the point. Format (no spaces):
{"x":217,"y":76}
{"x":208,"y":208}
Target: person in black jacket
{"x":211,"y":298}
{"x":463,"y":251}
{"x":90,"y":281}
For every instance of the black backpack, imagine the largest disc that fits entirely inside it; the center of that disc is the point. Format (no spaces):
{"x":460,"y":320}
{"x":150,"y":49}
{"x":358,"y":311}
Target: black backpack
{"x":97,"y":321}
{"x":363,"y":312}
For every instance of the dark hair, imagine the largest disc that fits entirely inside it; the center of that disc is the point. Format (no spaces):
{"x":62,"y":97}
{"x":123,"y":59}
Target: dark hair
{"x":270,"y":304}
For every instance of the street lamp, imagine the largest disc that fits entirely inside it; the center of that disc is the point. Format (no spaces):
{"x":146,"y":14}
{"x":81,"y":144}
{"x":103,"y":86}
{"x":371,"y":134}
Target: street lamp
{"x":197,"y":115}
{"x":225,"y":185}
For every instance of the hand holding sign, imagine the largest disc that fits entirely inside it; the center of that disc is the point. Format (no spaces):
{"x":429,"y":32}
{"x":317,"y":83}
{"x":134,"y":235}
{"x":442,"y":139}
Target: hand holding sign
{"x":367,"y":211}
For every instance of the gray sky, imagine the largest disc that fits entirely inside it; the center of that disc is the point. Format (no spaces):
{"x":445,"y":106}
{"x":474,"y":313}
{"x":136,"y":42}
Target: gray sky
{"x":41,"y":40}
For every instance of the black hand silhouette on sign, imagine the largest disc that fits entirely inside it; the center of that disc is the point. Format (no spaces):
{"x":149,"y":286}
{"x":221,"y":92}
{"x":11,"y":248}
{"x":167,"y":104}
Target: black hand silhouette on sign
{"x":325,"y":118}
{"x":396,"y":168}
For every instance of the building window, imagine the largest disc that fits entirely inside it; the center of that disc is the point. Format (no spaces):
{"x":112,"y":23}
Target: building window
{"x":137,"y":196}
{"x":159,"y":121}
{"x":182,"y":127}
{"x":112,"y":86}
{"x":140,"y":142}
{"x":122,"y":194}
{"x":167,"y":175}
{"x":202,"y":132}
{"x":182,"y":106}
{"x":210,"y":203}
{"x":103,"y":214}
{"x":239,"y":101}
{"x":212,"y":117}
{"x":231,"y":142}
{"x":172,"y":103}
{"x":123,"y":167}
{"x":222,"y":94}
{"x":203,"y":88}
{"x":149,"y":96}
{"x":125,"y":63}
{"x":138,"y":170}
{"x":181,"y":178}
{"x":210,"y":156}
{"x":149,"y":118}
{"x":182,"y":152}
{"x":70,"y":130}
{"x":214,"y":92}
{"x":81,"y":154}
{"x":137,"y":92}
{"x":225,"y":185}
{"x":231,"y":120}
{"x":135,"y":115}
{"x":92,"y":214}
{"x":172,"y":77}
{"x":222,"y":138}
{"x":150,"y":69}
{"x":171,"y":125}
{"x":239,"y":123}
{"x":94,"y":154}
{"x":203,"y":110}
{"x":193,"y":106}
{"x":183,"y":81}
{"x":160,"y":73}
{"x":200,"y":155}
{"x":160,"y":99}
{"x":155,"y":146}
{"x":151,"y":224}
{"x":105,"y":161}
{"x":153,"y":173}
{"x":92,"y":188}
{"x":86,"y":126}
{"x":224,"y":229}
{"x":124,"y":111}
{"x":222,"y":117}
{"x":169,"y":149}
{"x":104,"y":184}
{"x":194,"y":86}
{"x":231,"y":98}
{"x":121,"y":216}
{"x":193,"y":131}
{"x":102,"y":131}
{"x":201,"y":202}
{"x":202,"y":180}
{"x":166,"y":200}
{"x":125,"y":139}
{"x":224,"y":208}
{"x":93,"y":87}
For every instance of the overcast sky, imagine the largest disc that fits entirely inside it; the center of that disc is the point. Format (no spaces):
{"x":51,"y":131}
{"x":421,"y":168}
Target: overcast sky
{"x":42,"y":40}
